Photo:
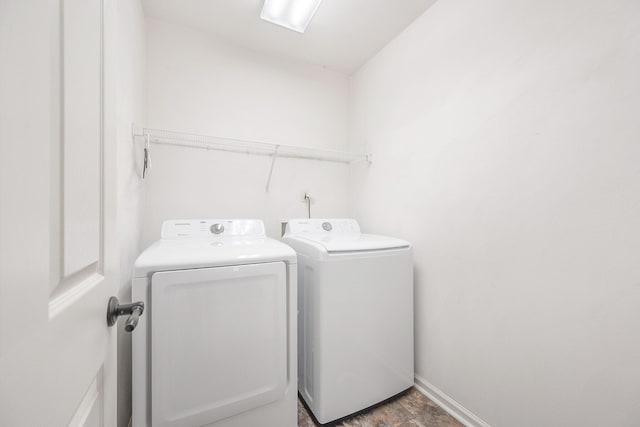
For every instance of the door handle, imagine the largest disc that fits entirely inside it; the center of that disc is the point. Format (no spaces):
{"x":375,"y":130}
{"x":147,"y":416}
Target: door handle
{"x":115,"y":310}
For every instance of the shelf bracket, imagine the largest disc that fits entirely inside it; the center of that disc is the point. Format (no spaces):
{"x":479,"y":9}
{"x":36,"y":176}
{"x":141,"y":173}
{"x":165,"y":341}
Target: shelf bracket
{"x":146,"y":160}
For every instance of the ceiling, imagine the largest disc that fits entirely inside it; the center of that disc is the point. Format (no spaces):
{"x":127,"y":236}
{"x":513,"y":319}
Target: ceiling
{"x":342,"y":36}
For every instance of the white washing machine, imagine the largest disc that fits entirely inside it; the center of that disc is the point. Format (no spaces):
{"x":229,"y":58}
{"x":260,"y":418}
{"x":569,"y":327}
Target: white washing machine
{"x":355,"y":316}
{"x":216,"y":344}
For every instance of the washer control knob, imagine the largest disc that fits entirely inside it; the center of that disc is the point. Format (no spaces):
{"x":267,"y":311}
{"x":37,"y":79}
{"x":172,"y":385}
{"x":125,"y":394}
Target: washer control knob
{"x":326,"y":226}
{"x":217,"y":228}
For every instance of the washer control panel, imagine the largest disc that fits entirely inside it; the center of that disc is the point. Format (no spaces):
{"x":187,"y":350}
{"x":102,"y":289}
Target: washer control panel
{"x":325,"y":226}
{"x":174,"y":229}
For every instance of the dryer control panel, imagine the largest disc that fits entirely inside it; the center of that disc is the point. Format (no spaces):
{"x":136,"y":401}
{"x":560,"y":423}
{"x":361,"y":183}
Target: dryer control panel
{"x":319,"y":225}
{"x":175,"y":229}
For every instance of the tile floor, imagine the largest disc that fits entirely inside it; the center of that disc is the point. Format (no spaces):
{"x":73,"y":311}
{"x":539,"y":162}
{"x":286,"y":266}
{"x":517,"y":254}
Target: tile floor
{"x":409,"y":410}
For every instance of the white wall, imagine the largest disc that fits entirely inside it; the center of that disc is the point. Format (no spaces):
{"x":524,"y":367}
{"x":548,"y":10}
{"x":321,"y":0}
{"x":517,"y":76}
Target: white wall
{"x":197,"y":83}
{"x":506,"y":145}
{"x":130,"y":108}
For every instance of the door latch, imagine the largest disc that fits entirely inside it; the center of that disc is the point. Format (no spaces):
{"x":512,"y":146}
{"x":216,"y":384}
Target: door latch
{"x":115,"y":310}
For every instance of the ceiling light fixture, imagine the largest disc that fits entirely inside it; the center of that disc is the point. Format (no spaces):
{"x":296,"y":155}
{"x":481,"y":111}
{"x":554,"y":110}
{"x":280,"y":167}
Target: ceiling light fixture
{"x":292,"y":14}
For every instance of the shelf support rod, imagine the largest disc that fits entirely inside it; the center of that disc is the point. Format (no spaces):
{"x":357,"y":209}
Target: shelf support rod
{"x":273,"y":162}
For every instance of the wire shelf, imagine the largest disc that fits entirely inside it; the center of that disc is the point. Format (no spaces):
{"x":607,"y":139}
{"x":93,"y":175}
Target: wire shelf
{"x":206,"y":142}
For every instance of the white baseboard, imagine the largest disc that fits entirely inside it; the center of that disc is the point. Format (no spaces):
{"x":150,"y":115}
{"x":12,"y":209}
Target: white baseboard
{"x":452,"y":407}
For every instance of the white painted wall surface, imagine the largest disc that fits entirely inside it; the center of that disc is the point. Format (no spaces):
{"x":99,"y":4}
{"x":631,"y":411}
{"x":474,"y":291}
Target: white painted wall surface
{"x":506,"y":145}
{"x":130,"y":108}
{"x":199,"y":84}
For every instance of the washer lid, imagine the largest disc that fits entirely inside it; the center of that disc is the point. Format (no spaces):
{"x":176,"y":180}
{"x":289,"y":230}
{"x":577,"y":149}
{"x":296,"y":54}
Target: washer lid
{"x":339,"y":235}
{"x":355,"y":242}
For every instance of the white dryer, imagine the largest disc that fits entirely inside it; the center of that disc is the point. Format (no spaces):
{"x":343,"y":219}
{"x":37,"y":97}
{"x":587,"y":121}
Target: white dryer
{"x":216,"y":345}
{"x":355,"y":316}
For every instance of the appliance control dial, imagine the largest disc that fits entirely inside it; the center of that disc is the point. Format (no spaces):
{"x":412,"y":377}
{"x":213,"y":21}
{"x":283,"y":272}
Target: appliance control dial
{"x":326,"y":226}
{"x":217,"y":228}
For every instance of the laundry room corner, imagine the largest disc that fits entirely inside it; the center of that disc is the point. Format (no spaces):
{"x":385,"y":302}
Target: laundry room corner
{"x":198,"y":82}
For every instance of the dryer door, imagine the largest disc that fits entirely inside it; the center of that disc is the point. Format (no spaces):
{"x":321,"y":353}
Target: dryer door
{"x":218,"y":342}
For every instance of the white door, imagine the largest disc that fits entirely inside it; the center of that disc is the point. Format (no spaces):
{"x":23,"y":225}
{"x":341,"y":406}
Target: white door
{"x":57,"y":215}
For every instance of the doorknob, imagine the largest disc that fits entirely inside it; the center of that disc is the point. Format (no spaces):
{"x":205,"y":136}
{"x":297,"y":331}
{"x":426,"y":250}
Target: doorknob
{"x":133,"y":310}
